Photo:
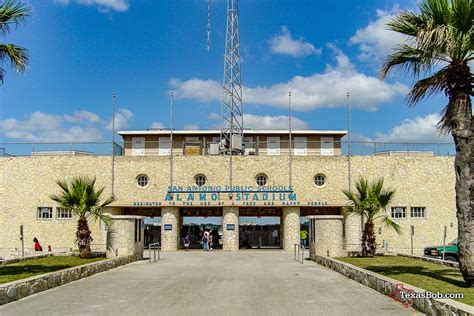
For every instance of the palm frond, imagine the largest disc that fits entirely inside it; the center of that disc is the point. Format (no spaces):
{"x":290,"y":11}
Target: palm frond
{"x":16,"y":55}
{"x":391,"y":224}
{"x":427,"y":87}
{"x":12,"y":13}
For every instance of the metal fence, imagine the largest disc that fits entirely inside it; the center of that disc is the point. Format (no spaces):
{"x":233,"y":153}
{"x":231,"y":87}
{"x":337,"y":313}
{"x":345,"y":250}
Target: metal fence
{"x":255,"y":148}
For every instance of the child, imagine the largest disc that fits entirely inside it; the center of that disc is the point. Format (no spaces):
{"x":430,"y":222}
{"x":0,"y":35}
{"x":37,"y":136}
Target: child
{"x":186,"y":242}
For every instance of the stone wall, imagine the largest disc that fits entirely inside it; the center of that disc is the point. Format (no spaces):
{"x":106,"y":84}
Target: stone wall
{"x":27,"y":182}
{"x":328,"y":232}
{"x":125,"y":236}
{"x":16,"y":290}
{"x":387,"y":286}
{"x":230,"y":216}
{"x":291,"y":227}
{"x":169,"y":238}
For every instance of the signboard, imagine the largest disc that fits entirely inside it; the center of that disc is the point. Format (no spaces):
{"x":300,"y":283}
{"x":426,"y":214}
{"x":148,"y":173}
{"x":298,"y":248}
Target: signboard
{"x":230,"y":226}
{"x":168,"y":226}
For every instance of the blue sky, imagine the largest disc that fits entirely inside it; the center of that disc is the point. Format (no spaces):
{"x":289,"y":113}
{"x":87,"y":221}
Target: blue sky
{"x":81,"y":51}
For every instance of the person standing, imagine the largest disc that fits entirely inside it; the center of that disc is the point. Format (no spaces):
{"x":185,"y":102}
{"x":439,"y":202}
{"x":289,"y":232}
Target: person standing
{"x":186,"y":242}
{"x":205,"y":240}
{"x":37,"y":245}
{"x":303,"y":237}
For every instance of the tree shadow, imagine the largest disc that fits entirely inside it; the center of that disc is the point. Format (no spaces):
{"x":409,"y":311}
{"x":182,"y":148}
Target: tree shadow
{"x":445,"y":275}
{"x":31,"y":269}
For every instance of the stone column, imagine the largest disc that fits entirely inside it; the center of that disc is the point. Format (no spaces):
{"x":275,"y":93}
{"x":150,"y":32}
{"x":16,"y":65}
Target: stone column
{"x":124,"y":237}
{"x":291,"y":227}
{"x":352,"y":233}
{"x":230,"y":215}
{"x":169,"y":228}
{"x":328,"y":236}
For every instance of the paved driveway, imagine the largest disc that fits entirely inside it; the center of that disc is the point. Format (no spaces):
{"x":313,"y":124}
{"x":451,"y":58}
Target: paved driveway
{"x":212,"y":283}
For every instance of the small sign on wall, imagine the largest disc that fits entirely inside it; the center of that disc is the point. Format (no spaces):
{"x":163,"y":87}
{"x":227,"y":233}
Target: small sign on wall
{"x":230,"y":226}
{"x":168,"y":226}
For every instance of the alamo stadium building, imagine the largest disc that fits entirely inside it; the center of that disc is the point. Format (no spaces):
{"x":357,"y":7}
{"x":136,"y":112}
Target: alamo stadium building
{"x":262,"y":198}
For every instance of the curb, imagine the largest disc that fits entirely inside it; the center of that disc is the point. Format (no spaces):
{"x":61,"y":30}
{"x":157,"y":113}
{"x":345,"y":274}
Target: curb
{"x":389,"y":286}
{"x":13,"y":291}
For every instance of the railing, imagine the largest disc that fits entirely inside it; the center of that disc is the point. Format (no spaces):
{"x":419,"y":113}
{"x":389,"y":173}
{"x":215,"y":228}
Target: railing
{"x":203,"y":148}
{"x":155,"y":247}
{"x":299,"y":252}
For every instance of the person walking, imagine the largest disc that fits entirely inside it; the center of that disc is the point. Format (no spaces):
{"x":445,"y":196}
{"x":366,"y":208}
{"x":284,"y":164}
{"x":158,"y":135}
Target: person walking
{"x":303,"y":237}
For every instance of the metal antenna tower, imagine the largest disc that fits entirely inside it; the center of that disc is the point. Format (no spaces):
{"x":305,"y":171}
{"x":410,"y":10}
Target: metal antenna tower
{"x":208,"y":25}
{"x":232,"y":109}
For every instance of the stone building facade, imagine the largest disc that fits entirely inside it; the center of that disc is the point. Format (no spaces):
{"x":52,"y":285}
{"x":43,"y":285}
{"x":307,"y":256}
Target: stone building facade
{"x":424,"y":199}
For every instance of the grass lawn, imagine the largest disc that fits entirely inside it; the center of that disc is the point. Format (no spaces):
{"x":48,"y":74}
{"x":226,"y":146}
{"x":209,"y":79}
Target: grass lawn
{"x":29,"y":268}
{"x":428,"y":276}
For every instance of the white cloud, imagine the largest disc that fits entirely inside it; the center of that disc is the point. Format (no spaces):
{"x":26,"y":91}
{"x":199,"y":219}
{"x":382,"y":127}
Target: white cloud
{"x":190,"y":127}
{"x":197,"y":89}
{"x":102,"y":5}
{"x":258,"y":122}
{"x":80,"y":126}
{"x":320,"y":90}
{"x":284,"y":44}
{"x":79,"y":116}
{"x":39,"y":126}
{"x":375,"y":40}
{"x":273,"y":122}
{"x":122,"y":119}
{"x":157,"y":125}
{"x":419,"y":129}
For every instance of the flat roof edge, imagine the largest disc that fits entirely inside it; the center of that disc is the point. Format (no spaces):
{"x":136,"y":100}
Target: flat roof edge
{"x":209,"y":132}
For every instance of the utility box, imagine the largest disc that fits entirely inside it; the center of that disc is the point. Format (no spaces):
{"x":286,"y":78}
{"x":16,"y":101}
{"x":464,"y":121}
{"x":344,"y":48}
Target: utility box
{"x":213,"y":149}
{"x":237,"y":142}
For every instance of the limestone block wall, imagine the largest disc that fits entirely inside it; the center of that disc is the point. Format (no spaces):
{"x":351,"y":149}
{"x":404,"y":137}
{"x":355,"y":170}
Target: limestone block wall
{"x":352,"y":233}
{"x":169,"y":238}
{"x":328,"y":236}
{"x":291,"y":227}
{"x":230,"y":215}
{"x":27,"y":182}
{"x":121,"y":238}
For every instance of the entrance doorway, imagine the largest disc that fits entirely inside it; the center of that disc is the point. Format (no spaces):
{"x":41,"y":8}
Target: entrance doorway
{"x":152,"y":226}
{"x":194,"y":227}
{"x":259,"y":232}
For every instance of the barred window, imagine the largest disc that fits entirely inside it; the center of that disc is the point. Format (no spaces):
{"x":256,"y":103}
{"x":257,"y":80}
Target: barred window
{"x":200,"y":180}
{"x":63,"y":213}
{"x":261,"y":180}
{"x":45,"y":212}
{"x":417,"y":212}
{"x":142,"y":180}
{"x":398,"y":212}
{"x":319,"y":180}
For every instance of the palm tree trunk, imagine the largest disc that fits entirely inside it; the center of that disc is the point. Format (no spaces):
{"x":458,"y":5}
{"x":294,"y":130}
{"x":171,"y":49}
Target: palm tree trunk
{"x":368,"y":240}
{"x":464,"y":142}
{"x":83,"y":238}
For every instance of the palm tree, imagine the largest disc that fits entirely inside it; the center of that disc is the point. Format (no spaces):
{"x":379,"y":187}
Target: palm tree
{"x":439,"y":47}
{"x":12,"y":12}
{"x":84,"y":200}
{"x":370,"y":203}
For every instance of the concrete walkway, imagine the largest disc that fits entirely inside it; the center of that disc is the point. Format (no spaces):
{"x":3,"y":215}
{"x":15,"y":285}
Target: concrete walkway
{"x":212,"y":283}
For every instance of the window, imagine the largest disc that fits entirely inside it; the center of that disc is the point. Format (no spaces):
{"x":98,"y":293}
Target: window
{"x":63,"y":213}
{"x":261,"y":180}
{"x":200,"y":180}
{"x":164,"y":146}
{"x":273,"y":146}
{"x":142,"y":180}
{"x":398,"y":212}
{"x":327,"y":146}
{"x":319,"y":180}
{"x":417,"y":212}
{"x":300,"y":146}
{"x":45,"y":212}
{"x":138,"y":146}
